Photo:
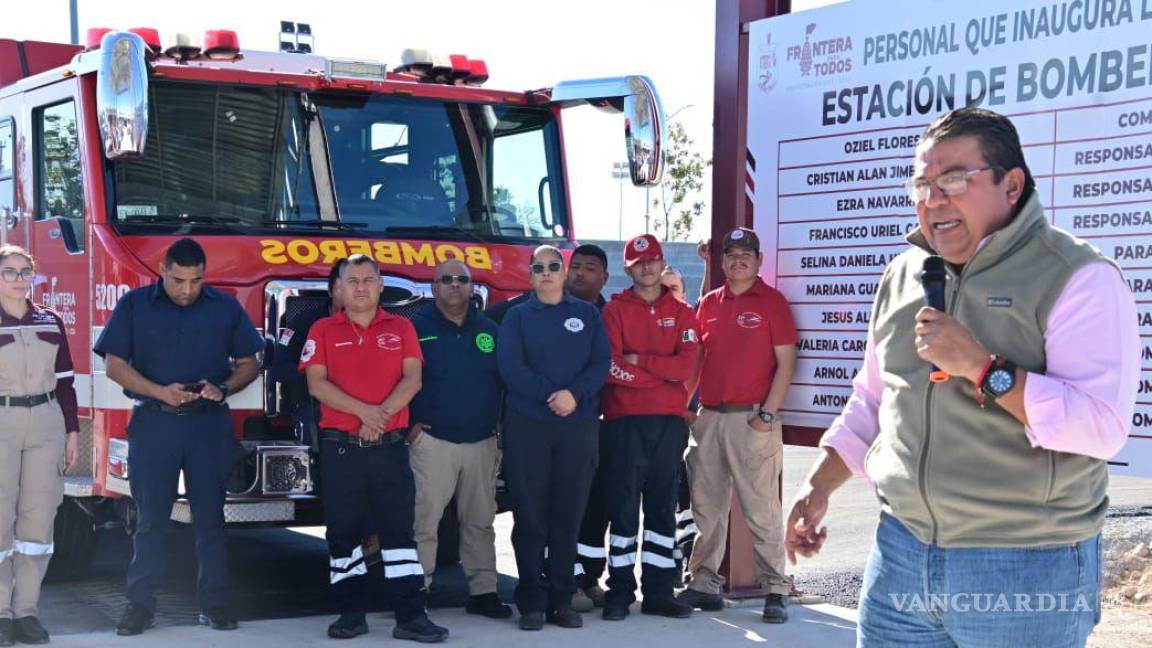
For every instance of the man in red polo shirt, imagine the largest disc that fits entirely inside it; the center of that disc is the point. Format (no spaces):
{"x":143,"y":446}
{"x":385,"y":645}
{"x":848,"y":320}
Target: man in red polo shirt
{"x":749,"y":341}
{"x":364,"y":366}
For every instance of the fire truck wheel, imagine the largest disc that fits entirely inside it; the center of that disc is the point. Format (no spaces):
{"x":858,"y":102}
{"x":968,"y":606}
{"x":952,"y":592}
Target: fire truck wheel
{"x":75,"y":542}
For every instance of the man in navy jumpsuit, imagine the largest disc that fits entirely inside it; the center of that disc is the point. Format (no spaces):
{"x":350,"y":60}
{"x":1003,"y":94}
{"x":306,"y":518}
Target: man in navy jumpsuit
{"x":178,"y":348}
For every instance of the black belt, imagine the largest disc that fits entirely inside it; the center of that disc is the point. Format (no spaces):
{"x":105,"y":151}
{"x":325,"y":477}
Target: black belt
{"x":27,"y":401}
{"x":395,"y":436}
{"x":195,"y":407}
{"x":728,"y":408}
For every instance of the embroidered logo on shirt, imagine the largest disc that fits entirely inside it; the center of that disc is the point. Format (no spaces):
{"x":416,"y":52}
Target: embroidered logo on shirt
{"x":309,"y":351}
{"x":749,"y":320}
{"x":574,"y":324}
{"x":667,"y":322}
{"x":999,"y":302}
{"x":388,"y":341}
{"x":286,"y":336}
{"x":689,"y":335}
{"x":485,"y":342}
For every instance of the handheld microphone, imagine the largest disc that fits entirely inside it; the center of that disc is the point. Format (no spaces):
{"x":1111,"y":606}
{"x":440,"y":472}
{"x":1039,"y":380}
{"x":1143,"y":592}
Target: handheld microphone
{"x":933,"y":277}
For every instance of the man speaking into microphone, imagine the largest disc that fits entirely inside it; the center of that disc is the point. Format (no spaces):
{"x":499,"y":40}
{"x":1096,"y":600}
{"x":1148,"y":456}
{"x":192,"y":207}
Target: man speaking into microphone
{"x":992,"y":483}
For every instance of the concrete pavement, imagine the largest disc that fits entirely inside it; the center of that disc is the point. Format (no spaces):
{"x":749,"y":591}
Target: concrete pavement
{"x":815,"y":626}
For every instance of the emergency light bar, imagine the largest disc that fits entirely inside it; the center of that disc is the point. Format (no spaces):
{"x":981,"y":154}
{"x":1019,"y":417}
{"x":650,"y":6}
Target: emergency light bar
{"x":453,"y":69}
{"x":94,"y":36}
{"x":151,"y":38}
{"x":186,"y":47}
{"x":351,"y":69}
{"x":221,"y":45}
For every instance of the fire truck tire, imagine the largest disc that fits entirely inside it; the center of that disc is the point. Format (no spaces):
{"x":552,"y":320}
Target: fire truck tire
{"x":75,"y":542}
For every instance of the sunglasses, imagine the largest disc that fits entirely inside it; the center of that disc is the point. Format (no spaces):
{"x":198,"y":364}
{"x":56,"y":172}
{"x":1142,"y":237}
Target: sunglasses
{"x":448,"y":280}
{"x":555,"y":266}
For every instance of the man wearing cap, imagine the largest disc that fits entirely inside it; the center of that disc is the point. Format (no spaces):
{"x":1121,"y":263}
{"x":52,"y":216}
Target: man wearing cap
{"x":749,"y":341}
{"x":654,"y":353}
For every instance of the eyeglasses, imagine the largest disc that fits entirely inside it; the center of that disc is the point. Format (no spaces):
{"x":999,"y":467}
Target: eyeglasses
{"x":555,"y":266}
{"x":953,"y":183}
{"x":448,"y":280}
{"x":12,"y":274}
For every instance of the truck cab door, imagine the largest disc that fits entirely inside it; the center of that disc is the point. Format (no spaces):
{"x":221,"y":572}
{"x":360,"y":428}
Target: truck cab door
{"x":59,"y":224}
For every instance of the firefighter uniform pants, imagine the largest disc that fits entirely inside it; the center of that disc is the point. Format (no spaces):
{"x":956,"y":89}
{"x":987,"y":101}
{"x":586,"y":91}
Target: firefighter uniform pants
{"x":31,"y":489}
{"x":549,"y":468}
{"x":731,"y":453}
{"x":160,"y":446}
{"x":466,"y":471}
{"x":642,"y":462}
{"x":370,"y":491}
{"x":685,"y":522}
{"x":591,"y":555}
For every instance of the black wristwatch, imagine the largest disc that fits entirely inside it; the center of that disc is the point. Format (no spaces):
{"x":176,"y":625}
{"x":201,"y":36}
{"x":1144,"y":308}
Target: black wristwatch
{"x":766,"y":416}
{"x":223,"y":387}
{"x":999,"y":379}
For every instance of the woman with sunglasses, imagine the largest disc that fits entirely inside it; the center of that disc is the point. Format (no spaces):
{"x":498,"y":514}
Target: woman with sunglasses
{"x":554,"y":356}
{"x":38,"y":443}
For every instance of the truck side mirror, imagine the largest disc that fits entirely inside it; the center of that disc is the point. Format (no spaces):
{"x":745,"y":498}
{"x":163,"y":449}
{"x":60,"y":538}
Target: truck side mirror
{"x":122,"y":95}
{"x":644,"y":132}
{"x":637,"y":98}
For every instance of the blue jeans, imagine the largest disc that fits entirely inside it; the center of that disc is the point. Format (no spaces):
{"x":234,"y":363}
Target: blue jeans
{"x":916,"y":594}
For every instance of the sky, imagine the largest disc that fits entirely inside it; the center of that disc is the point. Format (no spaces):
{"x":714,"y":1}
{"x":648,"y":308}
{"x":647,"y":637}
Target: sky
{"x":527,"y":44}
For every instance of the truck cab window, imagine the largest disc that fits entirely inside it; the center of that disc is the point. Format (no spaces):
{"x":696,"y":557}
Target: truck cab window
{"x":60,"y":186}
{"x":7,"y":183}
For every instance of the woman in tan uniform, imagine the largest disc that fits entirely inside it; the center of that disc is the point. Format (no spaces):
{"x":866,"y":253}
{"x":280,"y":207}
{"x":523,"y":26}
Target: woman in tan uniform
{"x":38,"y":442}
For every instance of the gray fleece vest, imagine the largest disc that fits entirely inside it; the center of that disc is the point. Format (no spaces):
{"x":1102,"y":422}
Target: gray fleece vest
{"x":955,"y":474}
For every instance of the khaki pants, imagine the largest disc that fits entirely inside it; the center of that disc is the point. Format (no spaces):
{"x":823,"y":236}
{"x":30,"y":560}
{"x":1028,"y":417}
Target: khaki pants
{"x":729,"y":452}
{"x":467,"y":471}
{"x":31,"y":489}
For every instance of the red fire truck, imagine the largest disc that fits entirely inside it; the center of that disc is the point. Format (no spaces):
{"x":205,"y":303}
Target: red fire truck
{"x":278,"y":164}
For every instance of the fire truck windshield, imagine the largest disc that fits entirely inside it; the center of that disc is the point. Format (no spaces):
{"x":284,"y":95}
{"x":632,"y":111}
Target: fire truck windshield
{"x":262,"y":160}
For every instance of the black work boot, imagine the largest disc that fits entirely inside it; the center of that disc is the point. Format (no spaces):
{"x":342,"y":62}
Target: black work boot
{"x":218,"y":619}
{"x":421,"y":630}
{"x":774,"y":609}
{"x":7,"y":633}
{"x":136,"y":619}
{"x":349,"y":625}
{"x":566,"y":617}
{"x":488,"y":605}
{"x":29,"y":631}
{"x":531,"y":620}
{"x":666,"y":606}
{"x":701,"y":600}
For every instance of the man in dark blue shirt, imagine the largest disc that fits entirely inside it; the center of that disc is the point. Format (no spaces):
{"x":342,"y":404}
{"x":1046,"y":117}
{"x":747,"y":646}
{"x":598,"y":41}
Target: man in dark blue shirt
{"x":179,"y":348}
{"x":453,"y":438}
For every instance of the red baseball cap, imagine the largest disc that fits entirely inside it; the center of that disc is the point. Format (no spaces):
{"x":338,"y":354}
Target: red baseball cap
{"x":640,"y":248}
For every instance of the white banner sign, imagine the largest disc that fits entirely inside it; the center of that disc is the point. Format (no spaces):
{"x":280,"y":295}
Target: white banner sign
{"x":837,"y":100}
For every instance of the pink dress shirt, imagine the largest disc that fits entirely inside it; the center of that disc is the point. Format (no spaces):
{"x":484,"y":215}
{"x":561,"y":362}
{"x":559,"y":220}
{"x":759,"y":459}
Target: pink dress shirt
{"x":1083,"y":405}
